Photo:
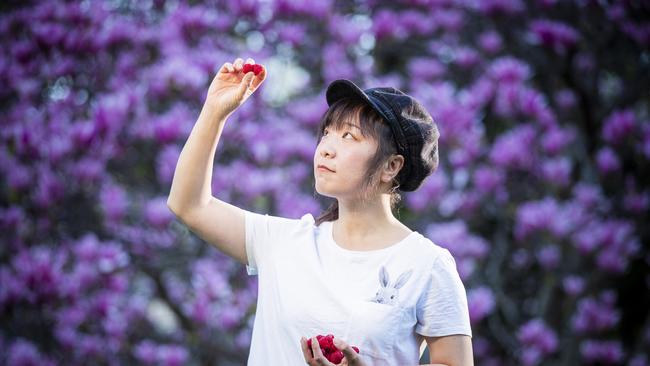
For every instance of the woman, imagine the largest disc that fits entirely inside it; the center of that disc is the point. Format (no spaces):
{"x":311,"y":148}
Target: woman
{"x":355,"y":272}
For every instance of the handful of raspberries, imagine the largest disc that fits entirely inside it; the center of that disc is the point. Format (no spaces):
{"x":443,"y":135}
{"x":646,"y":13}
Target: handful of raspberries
{"x":333,"y":354}
{"x":252,"y":67}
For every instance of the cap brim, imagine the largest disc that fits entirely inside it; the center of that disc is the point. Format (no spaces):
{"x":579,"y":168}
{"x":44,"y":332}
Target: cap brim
{"x":343,"y":88}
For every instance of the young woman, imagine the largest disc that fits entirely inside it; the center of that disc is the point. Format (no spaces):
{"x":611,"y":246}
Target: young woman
{"x":356,"y":271}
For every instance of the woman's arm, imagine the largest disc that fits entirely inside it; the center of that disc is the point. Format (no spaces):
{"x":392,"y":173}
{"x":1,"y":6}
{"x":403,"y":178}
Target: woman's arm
{"x":455,"y":350}
{"x":218,"y":223}
{"x":191,"y":186}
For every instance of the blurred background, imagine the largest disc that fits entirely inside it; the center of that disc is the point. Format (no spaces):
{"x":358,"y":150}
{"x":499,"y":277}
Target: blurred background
{"x":542,"y":194}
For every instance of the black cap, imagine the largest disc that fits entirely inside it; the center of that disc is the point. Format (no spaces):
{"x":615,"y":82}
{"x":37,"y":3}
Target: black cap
{"x":415,"y":132}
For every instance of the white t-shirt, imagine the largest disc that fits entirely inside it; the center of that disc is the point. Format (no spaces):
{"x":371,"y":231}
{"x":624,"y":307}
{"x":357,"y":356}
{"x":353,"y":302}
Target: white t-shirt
{"x":381,"y":301}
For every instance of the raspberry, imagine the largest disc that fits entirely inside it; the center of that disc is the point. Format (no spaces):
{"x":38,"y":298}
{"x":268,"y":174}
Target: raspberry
{"x":255,"y":68}
{"x":333,"y":354}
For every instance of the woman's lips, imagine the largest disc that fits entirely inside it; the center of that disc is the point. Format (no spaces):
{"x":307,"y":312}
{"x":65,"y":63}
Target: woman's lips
{"x":322,"y":168}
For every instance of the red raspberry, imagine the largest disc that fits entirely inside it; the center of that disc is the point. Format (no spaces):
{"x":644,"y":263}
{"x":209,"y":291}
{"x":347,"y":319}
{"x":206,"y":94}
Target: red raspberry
{"x":335,"y":357}
{"x":255,"y":68}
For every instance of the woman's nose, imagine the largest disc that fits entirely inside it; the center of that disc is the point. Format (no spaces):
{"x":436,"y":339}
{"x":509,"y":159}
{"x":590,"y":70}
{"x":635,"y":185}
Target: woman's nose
{"x":326,"y":151}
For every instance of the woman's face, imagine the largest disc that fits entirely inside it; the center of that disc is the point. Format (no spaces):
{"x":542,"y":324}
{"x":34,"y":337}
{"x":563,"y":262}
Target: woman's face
{"x":346,"y":152}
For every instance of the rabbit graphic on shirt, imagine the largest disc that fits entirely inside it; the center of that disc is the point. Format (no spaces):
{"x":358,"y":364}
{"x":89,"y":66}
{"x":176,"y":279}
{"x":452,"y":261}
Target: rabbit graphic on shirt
{"x":389,"y":294}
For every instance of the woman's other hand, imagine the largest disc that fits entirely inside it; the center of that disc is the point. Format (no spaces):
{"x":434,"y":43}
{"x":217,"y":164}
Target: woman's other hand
{"x":350,"y":356}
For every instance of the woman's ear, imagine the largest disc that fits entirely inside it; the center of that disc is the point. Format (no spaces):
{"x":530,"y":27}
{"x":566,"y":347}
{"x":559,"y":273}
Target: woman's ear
{"x":391,"y":168}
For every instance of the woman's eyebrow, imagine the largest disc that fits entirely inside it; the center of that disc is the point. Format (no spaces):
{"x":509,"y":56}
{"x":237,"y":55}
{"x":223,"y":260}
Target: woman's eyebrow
{"x":352,"y":125}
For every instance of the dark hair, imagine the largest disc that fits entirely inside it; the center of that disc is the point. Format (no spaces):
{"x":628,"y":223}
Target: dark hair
{"x":372,"y":125}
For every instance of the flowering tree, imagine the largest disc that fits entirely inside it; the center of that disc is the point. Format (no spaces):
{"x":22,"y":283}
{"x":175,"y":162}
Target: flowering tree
{"x":541,"y":195}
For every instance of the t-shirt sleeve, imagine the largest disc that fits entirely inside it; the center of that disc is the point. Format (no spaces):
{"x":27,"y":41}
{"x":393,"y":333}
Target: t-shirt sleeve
{"x":263,"y":233}
{"x":442,"y":309}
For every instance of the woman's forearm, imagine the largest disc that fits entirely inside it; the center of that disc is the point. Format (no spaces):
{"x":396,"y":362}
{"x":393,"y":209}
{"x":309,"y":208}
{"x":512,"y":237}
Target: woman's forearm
{"x":191,"y":186}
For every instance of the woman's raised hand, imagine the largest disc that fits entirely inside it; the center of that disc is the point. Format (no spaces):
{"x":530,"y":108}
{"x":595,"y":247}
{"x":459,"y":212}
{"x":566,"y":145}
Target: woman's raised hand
{"x":231,"y":87}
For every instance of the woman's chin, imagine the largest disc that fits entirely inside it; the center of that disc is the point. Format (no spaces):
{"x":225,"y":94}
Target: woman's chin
{"x":323,"y":192}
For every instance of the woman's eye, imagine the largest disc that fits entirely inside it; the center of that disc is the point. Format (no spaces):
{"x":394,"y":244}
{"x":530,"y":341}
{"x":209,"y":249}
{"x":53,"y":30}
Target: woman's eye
{"x":347,"y":133}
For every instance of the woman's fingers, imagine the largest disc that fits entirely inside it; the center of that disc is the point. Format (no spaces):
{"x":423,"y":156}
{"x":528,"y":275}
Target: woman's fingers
{"x":350,"y":354}
{"x":227,"y":67}
{"x":305,"y":350}
{"x":239,"y":62}
{"x":318,"y":354}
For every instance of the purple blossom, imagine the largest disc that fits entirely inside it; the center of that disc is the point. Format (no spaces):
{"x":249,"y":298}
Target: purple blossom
{"x":295,"y":205}
{"x":243,"y":338}
{"x":308,"y":111}
{"x":172,"y":125}
{"x":546,"y":214}
{"x":640,"y":33}
{"x":636,"y":202}
{"x":292,"y":33}
{"x":50,"y":188}
{"x":513,"y":149}
{"x":478,"y":94}
{"x":18,"y":176}
{"x":481,"y":303}
{"x":337,"y":64}
{"x":450,"y":20}
{"x":573,"y":285}
{"x":607,"y":161}
{"x":618,"y":126}
{"x":487,"y":179}
{"x":466,"y":57}
{"x":87,"y":170}
{"x":172,"y":355}
{"x":386,"y":24}
{"x":496,"y":7}
{"x":210,"y":281}
{"x":113,"y":201}
{"x":12,"y":219}
{"x":430,"y":191}
{"x":40,"y":270}
{"x":555,"y":140}
{"x":416,"y":22}
{"x":533,"y":103}
{"x":536,"y":335}
{"x":345,"y":29}
{"x":490,"y":41}
{"x":178,"y":71}
{"x":166,"y":163}
{"x":24,"y":353}
{"x":587,"y":195}
{"x":157,"y":213}
{"x":463,"y":245}
{"x":317,"y":10}
{"x":595,"y":314}
{"x":557,"y":171}
{"x":549,"y":256}
{"x":565,"y":99}
{"x":589,"y":238}
{"x":146,"y":352}
{"x":229,"y":317}
{"x":556,"y":35}
{"x":509,"y":70}
{"x":606,"y":352}
{"x":426,"y":68}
